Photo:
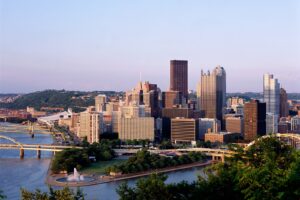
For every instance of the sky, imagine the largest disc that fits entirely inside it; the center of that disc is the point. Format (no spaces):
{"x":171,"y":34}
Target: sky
{"x":106,"y":45}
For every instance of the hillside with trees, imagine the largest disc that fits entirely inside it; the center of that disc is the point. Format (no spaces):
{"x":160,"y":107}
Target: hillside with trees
{"x":56,"y":98}
{"x":268,"y":170}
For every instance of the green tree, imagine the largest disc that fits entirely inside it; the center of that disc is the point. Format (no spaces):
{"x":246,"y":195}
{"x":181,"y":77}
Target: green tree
{"x":151,"y":188}
{"x":2,"y":196}
{"x":63,"y":194}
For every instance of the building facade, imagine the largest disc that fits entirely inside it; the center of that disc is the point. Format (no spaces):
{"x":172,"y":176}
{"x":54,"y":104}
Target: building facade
{"x":271,"y":92}
{"x":254,"y":119}
{"x":284,"y":107}
{"x":183,"y":130}
{"x":179,"y":76}
{"x":211,"y":93}
{"x":91,"y":125}
{"x":136,"y":128}
{"x":271,"y":123}
{"x":206,"y":125}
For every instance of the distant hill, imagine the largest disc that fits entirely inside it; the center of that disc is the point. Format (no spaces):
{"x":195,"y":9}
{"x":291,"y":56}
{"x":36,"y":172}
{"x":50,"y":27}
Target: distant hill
{"x":56,"y":98}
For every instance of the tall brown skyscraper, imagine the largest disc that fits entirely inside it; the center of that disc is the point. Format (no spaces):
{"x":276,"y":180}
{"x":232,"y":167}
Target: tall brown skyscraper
{"x":179,"y":76}
{"x":211,"y":93}
{"x":284,"y":108}
{"x":254,"y":119}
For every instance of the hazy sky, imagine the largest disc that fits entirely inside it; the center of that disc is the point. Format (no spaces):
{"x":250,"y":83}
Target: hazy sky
{"x":105,"y":45}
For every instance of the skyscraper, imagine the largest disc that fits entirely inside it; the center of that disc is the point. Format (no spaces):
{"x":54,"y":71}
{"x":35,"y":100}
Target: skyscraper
{"x":271,"y":94}
{"x":211,"y":93}
{"x":179,"y":76}
{"x":284,"y":108}
{"x":254,"y":119}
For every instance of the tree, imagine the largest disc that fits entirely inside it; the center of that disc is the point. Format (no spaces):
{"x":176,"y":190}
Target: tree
{"x":63,"y":194}
{"x":151,"y":188}
{"x":2,"y":196}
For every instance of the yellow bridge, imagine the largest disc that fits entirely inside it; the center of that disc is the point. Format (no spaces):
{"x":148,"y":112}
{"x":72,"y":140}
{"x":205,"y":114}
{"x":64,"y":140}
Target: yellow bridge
{"x":33,"y":147}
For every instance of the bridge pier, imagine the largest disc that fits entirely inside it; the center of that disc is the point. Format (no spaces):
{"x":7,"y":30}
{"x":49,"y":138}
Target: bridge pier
{"x":21,"y":153}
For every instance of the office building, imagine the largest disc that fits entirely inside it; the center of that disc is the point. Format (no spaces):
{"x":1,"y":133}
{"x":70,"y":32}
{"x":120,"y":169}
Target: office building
{"x":146,"y":94}
{"x":271,"y":94}
{"x":235,"y":124}
{"x":91,"y":125}
{"x":136,"y":128}
{"x":183,"y":130}
{"x":254,"y":120}
{"x":221,"y":137}
{"x":179,"y":76}
{"x":284,"y":107}
{"x":271,"y":123}
{"x":206,"y":125}
{"x":295,"y":124}
{"x":171,"y":99}
{"x":211,"y":93}
{"x":100,"y":101}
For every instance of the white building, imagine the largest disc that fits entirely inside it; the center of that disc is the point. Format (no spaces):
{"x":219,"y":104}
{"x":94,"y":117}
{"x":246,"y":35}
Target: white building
{"x":271,"y":123}
{"x":91,"y":125}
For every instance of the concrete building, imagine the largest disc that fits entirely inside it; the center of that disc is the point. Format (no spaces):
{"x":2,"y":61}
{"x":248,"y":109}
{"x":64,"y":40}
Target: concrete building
{"x":136,"y":128}
{"x":235,"y":124}
{"x":91,"y":125}
{"x":171,"y":99}
{"x":146,"y":94}
{"x":284,"y":107}
{"x":100,"y":101}
{"x":206,"y":124}
{"x":222,"y":137}
{"x":235,"y":101}
{"x":183,"y":130}
{"x":254,"y":120}
{"x":179,"y":76}
{"x":284,"y":125}
{"x":295,"y":124}
{"x":271,"y":94}
{"x":211,"y":93}
{"x":271,"y":123}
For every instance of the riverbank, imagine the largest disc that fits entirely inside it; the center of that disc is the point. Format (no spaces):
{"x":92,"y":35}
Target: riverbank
{"x":52,"y":178}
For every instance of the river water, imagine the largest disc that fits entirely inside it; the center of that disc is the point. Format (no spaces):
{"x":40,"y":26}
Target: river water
{"x":30,"y":173}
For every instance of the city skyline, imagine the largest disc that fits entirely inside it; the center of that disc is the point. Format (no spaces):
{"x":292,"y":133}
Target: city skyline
{"x":105,"y":46}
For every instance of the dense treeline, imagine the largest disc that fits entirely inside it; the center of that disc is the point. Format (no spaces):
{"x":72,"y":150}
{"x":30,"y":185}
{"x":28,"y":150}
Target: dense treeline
{"x":68,"y":159}
{"x":63,"y":194}
{"x":55,"y":98}
{"x":267,"y":170}
{"x":143,"y":161}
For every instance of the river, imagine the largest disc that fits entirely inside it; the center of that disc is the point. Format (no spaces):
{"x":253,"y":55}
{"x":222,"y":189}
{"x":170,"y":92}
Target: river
{"x":30,"y":173}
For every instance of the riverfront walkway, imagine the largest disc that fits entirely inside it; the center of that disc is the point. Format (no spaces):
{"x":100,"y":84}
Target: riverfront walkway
{"x":52,"y":178}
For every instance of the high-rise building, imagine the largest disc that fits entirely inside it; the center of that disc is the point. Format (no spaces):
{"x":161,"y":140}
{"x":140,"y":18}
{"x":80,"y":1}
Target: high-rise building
{"x":171,"y":99}
{"x":183,"y":130}
{"x":271,"y":94}
{"x":211,"y":93}
{"x":100,"y":102}
{"x":179,"y":76}
{"x":271,"y":123}
{"x":284,"y":107}
{"x":254,"y":119}
{"x":91,"y":125}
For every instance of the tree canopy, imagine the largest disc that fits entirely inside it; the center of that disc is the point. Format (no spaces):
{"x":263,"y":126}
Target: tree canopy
{"x":267,"y":170}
